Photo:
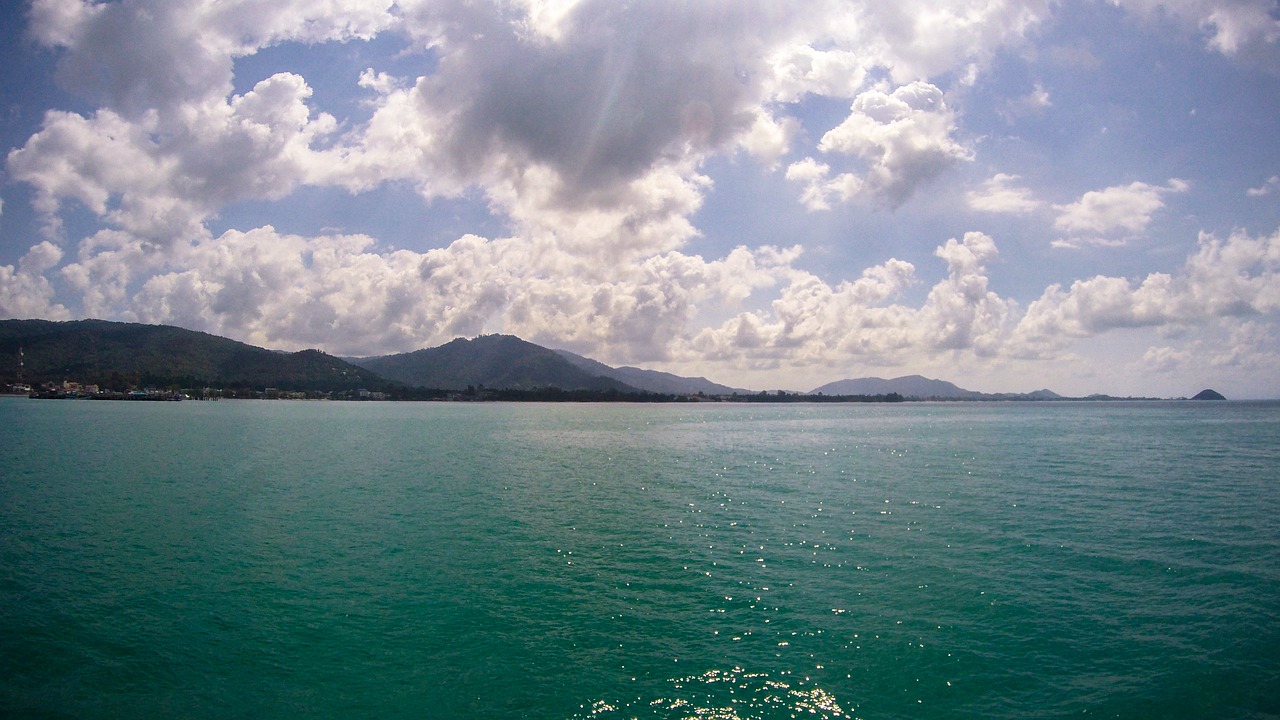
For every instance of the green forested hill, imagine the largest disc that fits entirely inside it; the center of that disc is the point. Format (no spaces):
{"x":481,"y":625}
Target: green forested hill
{"x":494,"y":361}
{"x":121,"y":355}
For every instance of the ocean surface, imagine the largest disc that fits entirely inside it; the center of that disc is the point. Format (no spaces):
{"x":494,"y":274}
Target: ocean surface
{"x":257,"y":559}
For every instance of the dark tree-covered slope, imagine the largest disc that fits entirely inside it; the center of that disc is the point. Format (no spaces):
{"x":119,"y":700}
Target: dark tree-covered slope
{"x":908,"y":386}
{"x":650,"y":380}
{"x":492,"y":361}
{"x":112,"y":353}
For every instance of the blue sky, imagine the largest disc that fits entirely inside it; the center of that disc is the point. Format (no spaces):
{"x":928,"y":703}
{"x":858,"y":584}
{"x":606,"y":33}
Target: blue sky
{"x":1010,"y":195}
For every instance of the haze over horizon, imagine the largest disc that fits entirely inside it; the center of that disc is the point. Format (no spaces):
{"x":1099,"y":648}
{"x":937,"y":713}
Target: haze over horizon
{"x":1080,"y":195}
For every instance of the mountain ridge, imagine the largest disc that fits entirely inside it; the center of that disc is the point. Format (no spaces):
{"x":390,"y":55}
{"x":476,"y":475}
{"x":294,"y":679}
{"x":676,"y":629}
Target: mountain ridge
{"x":116,"y":353}
{"x":493,"y":361}
{"x":654,"y":381}
{"x":922,"y":388}
{"x":907,"y":386}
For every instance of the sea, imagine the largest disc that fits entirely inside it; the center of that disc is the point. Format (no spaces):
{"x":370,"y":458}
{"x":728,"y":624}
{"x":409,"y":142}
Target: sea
{"x":308,"y":559}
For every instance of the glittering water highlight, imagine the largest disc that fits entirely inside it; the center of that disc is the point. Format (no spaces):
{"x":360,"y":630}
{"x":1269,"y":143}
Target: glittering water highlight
{"x":250,"y":559}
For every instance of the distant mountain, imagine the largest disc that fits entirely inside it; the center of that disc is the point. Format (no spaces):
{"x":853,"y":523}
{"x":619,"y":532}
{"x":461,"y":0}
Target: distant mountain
{"x":1042,"y":394}
{"x":919,"y":387}
{"x":1208,"y":394}
{"x":910,"y":386}
{"x":650,"y":380}
{"x":121,"y":355}
{"x":115,"y":354}
{"x":494,"y":361}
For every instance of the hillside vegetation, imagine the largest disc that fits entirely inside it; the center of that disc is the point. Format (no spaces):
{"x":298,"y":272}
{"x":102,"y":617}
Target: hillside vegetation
{"x":123,"y":355}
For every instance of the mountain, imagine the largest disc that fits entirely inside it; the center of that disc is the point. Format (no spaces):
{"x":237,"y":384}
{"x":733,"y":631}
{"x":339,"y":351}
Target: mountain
{"x":1042,"y":394}
{"x":650,"y":380}
{"x":919,"y":387}
{"x":494,"y":361}
{"x":119,"y":355}
{"x":1208,"y":394}
{"x":911,"y":386}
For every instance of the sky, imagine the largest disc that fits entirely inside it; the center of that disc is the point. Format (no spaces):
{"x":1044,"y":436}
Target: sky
{"x":1010,"y":195}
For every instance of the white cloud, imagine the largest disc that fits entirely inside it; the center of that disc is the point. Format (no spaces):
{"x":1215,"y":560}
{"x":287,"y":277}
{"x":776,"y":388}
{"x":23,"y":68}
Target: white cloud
{"x":1166,"y":359}
{"x":25,"y":292}
{"x":147,"y":55}
{"x":640,"y":313}
{"x":904,"y":137}
{"x":1001,"y":194}
{"x":960,"y":312}
{"x":1035,"y":102}
{"x":41,"y":258}
{"x":923,"y":38}
{"x":620,"y":90}
{"x":802,"y":70}
{"x":594,"y":96}
{"x":819,"y":188}
{"x":813,"y":323}
{"x":1238,"y":277}
{"x":769,"y":138}
{"x":832,"y":47}
{"x":602,"y":93}
{"x":1231,"y":26}
{"x":1250,"y":345}
{"x":1111,"y":216}
{"x":1265,"y":188}
{"x":1240,"y":346}
{"x":379,"y":82}
{"x":291,"y":292}
{"x":162,"y":186}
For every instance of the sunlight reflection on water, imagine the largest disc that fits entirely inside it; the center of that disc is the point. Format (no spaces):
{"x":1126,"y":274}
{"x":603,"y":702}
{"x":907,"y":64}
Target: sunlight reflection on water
{"x":733,"y":694}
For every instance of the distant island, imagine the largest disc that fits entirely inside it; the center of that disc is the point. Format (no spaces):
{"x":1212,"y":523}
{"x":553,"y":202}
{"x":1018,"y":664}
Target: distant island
{"x":101,"y":359}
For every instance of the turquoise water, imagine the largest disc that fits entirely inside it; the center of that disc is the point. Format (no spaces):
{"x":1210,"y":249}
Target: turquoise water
{"x":397,"y":560}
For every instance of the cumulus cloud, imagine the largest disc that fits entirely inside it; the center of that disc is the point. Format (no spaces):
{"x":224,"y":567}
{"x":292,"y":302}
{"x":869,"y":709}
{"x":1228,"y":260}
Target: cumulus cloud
{"x":1236,"y":277}
{"x":1033,"y":103}
{"x":1165,"y":359}
{"x":604,"y":97}
{"x":960,"y":312}
{"x":922,"y":38}
{"x":833,"y":46}
{"x":145,"y":55}
{"x":904,"y":137}
{"x":1250,"y":344}
{"x":1265,"y":188}
{"x":291,"y":292}
{"x":813,"y":323}
{"x":642,"y":313}
{"x":1246,"y":345}
{"x":169,"y":145}
{"x":1113,"y":215}
{"x":603,"y":94}
{"x":1002,"y":194}
{"x":800,"y":70}
{"x":25,"y":292}
{"x":162,"y":186}
{"x":596,"y":98}
{"x":1230,"y":26}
